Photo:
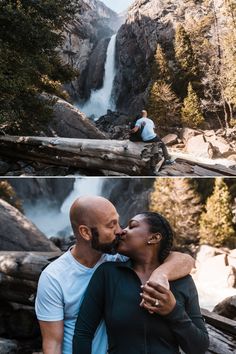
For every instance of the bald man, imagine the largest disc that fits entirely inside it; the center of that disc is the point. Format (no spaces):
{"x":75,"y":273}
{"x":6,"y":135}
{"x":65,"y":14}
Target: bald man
{"x":61,"y":287}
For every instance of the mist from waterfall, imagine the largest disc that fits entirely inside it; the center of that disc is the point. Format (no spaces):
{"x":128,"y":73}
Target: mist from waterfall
{"x":101,"y":100}
{"x":55,"y":222}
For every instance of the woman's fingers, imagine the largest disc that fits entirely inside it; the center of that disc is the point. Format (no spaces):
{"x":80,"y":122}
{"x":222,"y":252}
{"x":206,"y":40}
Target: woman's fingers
{"x":157,"y":299}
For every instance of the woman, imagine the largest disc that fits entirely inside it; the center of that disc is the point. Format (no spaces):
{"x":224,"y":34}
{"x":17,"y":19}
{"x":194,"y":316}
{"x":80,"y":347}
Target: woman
{"x":114,"y":294}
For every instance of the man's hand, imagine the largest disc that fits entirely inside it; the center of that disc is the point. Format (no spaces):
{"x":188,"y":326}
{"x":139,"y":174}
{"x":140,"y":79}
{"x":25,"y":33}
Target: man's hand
{"x":157,"y":298}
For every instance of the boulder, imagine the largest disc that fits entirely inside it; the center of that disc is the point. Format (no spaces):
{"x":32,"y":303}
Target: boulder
{"x":205,"y":252}
{"x":170,"y":139}
{"x":220,"y":145}
{"x":69,"y":122}
{"x":215,"y":272}
{"x":19,"y":234}
{"x":4,"y":167}
{"x":227,"y":308}
{"x":187,"y":133}
{"x":199,"y":147}
{"x":232,"y":258}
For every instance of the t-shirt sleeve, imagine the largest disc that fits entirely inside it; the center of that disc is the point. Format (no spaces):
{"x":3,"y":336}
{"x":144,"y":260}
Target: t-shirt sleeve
{"x":139,"y":123}
{"x":49,"y":300}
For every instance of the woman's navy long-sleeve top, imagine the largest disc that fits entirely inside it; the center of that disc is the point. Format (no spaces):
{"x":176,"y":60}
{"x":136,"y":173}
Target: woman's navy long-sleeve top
{"x":113,"y":294}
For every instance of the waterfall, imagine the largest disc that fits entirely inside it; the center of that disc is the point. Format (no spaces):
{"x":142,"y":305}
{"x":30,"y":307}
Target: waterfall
{"x":55,"y":222}
{"x":101,"y":100}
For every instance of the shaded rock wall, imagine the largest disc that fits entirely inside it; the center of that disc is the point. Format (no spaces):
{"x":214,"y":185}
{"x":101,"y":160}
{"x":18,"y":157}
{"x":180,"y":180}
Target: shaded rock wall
{"x":94,"y":23}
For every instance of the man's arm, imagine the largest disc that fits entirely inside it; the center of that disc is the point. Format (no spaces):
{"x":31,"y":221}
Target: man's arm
{"x":177,"y":265}
{"x":135,"y":129}
{"x":52,"y":335}
{"x":50,"y":313}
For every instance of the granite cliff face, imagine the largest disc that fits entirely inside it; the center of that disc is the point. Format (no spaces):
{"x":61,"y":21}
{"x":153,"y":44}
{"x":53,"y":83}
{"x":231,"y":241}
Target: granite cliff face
{"x":85,"y":45}
{"x":148,"y":23}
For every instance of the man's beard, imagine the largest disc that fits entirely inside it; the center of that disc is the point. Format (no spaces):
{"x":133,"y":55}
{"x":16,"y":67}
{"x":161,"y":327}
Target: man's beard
{"x":109,"y":247}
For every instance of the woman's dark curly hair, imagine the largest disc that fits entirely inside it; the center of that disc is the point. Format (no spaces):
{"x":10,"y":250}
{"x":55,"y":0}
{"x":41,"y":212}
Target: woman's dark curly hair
{"x":159,"y":224}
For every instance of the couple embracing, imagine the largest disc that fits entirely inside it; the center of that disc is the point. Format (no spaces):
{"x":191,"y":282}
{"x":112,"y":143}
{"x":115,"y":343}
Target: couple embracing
{"x":119,"y":291}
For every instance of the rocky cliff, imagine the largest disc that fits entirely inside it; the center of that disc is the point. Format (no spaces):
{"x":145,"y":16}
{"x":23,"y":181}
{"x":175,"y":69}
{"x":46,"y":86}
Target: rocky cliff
{"x":148,"y":23}
{"x":85,"y":45}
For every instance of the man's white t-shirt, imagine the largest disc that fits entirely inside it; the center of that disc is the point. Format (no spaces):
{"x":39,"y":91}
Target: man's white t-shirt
{"x":148,"y":132}
{"x":61,"y":289}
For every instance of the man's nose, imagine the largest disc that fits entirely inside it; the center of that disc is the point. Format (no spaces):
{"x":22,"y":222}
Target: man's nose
{"x":118,"y":229}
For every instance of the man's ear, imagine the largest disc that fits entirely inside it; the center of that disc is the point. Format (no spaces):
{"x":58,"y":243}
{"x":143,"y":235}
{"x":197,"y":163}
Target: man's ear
{"x":154,"y":239}
{"x":85,"y":232}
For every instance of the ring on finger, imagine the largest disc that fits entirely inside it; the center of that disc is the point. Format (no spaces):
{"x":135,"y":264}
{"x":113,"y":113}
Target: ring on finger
{"x":157,"y":303}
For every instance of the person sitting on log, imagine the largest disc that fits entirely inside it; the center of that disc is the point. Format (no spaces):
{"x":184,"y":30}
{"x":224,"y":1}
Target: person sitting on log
{"x":62,"y":284}
{"x":148,"y":134}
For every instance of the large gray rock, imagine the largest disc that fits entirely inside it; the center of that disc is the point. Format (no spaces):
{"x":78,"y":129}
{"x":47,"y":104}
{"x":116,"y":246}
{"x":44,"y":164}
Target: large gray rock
{"x":70,"y":122}
{"x":198,"y":146}
{"x":227,"y":308}
{"x":149,"y":23}
{"x":215,"y":272}
{"x":19,"y":234}
{"x":92,"y":23}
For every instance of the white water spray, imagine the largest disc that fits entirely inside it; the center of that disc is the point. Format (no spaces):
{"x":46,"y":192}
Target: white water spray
{"x":54,"y":222}
{"x":101,"y":100}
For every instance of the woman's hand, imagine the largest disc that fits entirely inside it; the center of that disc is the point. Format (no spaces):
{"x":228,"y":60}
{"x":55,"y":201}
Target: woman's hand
{"x":157,"y":298}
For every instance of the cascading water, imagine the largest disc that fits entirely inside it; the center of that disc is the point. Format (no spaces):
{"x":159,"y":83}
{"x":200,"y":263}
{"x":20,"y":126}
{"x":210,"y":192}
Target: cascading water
{"x":101,"y":100}
{"x":54,"y":222}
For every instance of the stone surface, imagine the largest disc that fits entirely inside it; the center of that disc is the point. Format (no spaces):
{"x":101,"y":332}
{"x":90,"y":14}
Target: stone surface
{"x":227,"y":308}
{"x":199,"y":147}
{"x":17,"y":233}
{"x":214,"y":271}
{"x":170,"y":139}
{"x":220,"y":145}
{"x":4,"y":167}
{"x":187,"y":133}
{"x":232,"y":258}
{"x":94,"y":21}
{"x":204,"y":252}
{"x":69,"y":122}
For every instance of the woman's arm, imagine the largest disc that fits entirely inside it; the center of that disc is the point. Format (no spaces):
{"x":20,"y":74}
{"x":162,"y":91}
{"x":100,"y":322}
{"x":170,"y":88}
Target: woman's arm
{"x":90,"y":314}
{"x":182,"y":312}
{"x":187,"y":322}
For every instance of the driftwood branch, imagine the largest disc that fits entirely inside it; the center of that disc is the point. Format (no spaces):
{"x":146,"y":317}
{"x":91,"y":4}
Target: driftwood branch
{"x":114,"y":155}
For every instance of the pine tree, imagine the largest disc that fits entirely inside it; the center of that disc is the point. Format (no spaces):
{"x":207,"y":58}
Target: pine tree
{"x":8,"y":194}
{"x":163,"y":105}
{"x":216,"y":223}
{"x":161,"y":70}
{"x":191,"y":114}
{"x":184,"y":52}
{"x":30,"y":32}
{"x":178,"y":200}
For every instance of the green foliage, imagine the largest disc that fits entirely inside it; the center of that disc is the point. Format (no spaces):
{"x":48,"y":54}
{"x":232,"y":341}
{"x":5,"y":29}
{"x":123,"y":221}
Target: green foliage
{"x":161,"y":70}
{"x":30,"y":32}
{"x":178,"y":200}
{"x":191,"y":114}
{"x":8,"y":194}
{"x":163,"y":105}
{"x":184,"y":54}
{"x":216,"y":225}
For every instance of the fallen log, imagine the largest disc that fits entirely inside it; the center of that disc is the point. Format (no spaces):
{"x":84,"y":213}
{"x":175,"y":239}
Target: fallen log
{"x":114,"y":155}
{"x":222,"y":333}
{"x":220,"y":343}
